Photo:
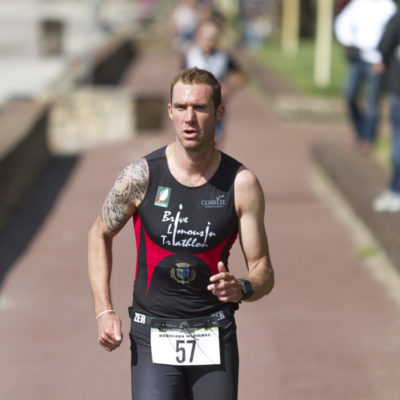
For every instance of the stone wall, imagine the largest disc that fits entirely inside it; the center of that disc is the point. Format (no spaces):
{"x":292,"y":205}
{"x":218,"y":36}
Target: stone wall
{"x":100,"y":114}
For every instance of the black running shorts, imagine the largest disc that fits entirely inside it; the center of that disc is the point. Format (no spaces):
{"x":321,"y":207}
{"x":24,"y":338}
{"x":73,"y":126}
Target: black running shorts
{"x":170,"y":382}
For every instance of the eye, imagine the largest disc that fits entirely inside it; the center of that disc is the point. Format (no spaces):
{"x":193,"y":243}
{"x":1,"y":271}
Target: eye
{"x":200,"y":107}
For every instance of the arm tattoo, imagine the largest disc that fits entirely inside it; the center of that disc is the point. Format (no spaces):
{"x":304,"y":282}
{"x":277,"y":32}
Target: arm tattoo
{"x":130,"y":185}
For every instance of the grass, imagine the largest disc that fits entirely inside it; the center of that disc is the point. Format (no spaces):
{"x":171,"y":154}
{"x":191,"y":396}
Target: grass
{"x":382,"y":150}
{"x":369,"y":251}
{"x":299,"y":69}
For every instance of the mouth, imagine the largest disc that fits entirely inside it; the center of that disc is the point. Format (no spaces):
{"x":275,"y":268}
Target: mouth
{"x":190,"y":132}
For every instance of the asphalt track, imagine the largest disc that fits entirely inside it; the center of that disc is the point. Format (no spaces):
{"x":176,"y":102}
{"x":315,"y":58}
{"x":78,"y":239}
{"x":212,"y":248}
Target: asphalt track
{"x":329,"y":330}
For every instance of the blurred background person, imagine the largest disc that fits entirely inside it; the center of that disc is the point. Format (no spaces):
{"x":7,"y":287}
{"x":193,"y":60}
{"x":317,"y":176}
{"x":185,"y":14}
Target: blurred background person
{"x":359,"y":27}
{"x":256,"y":22}
{"x":185,"y":19}
{"x":390,"y":49}
{"x":207,"y":53}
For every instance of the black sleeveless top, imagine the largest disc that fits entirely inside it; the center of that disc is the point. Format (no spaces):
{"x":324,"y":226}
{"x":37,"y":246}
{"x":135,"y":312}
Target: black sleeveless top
{"x":181,"y":234}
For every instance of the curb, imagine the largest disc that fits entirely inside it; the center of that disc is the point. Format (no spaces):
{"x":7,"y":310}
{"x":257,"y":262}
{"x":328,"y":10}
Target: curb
{"x":360,"y":179}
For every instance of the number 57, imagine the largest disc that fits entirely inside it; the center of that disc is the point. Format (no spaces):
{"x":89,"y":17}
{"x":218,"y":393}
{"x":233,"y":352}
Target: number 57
{"x":181,"y":350}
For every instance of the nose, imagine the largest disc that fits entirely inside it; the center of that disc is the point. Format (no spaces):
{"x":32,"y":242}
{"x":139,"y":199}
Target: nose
{"x":190,"y":114}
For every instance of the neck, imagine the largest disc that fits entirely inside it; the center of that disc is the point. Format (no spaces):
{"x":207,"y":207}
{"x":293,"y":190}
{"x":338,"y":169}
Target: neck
{"x":192,"y":168}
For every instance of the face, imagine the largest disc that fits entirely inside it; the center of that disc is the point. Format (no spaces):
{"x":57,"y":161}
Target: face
{"x":208,"y":38}
{"x":193,"y":114}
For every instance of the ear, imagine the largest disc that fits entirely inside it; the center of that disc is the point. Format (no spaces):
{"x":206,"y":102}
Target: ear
{"x":220,"y":112}
{"x":170,"y":110}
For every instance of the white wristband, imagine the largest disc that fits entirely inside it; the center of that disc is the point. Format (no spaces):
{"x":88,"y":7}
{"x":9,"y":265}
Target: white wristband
{"x":103,"y":312}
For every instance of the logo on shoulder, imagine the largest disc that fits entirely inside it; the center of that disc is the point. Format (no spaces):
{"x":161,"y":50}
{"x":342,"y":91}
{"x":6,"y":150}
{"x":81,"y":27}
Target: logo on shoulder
{"x":219,"y":202}
{"x":162,"y":196}
{"x":183,"y":273}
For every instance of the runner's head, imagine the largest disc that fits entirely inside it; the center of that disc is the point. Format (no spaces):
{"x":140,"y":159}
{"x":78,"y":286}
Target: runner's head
{"x":197,"y":76}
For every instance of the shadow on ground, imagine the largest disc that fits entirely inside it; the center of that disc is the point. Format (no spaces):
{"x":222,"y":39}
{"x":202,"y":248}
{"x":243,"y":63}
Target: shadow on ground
{"x":28,"y":217}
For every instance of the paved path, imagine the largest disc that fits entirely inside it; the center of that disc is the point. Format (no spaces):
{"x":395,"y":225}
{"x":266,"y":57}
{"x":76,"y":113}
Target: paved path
{"x":328,"y":331}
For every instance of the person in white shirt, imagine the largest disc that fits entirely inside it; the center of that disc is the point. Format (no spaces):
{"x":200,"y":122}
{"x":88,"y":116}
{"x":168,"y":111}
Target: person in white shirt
{"x":359,"y":27}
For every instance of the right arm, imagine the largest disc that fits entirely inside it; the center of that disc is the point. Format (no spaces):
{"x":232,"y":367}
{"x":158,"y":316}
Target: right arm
{"x":121,"y":203}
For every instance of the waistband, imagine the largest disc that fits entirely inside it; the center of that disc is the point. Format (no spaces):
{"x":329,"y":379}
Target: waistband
{"x":181,"y":323}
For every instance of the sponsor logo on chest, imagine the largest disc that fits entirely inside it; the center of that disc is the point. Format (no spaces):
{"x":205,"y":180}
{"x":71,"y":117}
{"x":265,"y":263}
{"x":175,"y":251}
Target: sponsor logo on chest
{"x":162,"y":196}
{"x":218,"y":202}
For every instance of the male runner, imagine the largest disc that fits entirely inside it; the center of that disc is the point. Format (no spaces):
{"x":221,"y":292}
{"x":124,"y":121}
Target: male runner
{"x":188,"y":202}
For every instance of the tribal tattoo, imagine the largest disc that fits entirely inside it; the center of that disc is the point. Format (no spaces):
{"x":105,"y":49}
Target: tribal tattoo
{"x":130,"y":185}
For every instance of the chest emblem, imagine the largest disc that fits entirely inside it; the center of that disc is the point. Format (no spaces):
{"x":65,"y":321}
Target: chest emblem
{"x":162,"y":196}
{"x":183,"y":273}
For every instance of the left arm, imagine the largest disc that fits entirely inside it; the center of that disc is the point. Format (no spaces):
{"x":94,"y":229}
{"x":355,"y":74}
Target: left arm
{"x":250,"y":206}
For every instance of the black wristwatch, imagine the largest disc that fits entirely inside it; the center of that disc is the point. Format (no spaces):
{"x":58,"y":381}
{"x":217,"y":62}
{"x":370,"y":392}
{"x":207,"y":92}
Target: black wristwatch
{"x":246,"y":288}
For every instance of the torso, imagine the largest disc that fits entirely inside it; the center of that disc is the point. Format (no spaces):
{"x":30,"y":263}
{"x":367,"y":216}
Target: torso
{"x":217,"y":62}
{"x":181,"y":233}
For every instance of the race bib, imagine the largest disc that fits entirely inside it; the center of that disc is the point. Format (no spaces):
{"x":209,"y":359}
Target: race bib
{"x":190,"y":346}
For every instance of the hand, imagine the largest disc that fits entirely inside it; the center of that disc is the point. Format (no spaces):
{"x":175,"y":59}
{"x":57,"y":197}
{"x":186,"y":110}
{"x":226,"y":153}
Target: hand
{"x":109,"y":331}
{"x":225,"y":286}
{"x":378,"y":68}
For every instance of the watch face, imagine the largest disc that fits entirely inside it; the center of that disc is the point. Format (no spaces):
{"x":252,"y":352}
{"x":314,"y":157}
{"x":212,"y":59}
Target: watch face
{"x":246,"y":287}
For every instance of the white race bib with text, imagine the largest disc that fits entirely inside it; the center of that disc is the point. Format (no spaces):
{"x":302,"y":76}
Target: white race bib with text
{"x":185,"y":346}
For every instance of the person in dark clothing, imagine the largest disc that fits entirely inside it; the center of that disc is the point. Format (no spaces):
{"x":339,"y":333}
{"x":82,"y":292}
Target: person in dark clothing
{"x":389,"y":47}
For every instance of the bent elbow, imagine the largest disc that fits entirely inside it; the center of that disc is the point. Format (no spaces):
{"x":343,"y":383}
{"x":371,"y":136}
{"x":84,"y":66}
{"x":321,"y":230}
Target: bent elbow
{"x":270,"y":282}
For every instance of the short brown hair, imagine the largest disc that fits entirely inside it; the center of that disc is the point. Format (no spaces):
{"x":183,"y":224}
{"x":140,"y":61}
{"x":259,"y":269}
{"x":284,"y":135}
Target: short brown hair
{"x":197,"y":76}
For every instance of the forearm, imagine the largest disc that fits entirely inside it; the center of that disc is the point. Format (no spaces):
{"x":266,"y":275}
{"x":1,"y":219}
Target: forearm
{"x":261,"y":277}
{"x":99,"y":268}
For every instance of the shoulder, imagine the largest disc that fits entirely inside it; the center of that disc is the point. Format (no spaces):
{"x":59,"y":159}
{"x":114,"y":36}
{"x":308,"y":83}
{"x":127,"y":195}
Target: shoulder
{"x":248,"y":191}
{"x":392,"y":7}
{"x":125,"y":196}
{"x":246,"y":180}
{"x":383,"y":9}
{"x":233,"y":65}
{"x":131,"y":184}
{"x":137,"y":171}
{"x":156,"y":154}
{"x":230,"y":161}
{"x":352,"y":9}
